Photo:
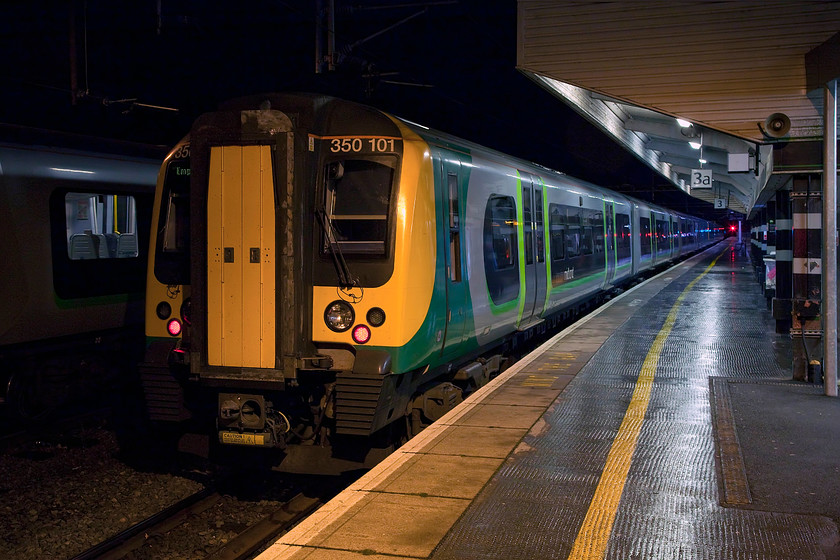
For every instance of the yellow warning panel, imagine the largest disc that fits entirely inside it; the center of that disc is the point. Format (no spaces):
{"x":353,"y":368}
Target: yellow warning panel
{"x":240,"y":257}
{"x":235,"y":438}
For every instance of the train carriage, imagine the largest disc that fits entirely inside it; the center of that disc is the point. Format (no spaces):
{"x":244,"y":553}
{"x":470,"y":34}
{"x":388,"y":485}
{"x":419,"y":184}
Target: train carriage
{"x":74,"y":218}
{"x":323,"y":272}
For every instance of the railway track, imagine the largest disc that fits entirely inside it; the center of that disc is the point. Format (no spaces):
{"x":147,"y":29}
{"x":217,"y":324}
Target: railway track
{"x":269,"y":527}
{"x":201,"y":514}
{"x":57,"y":429}
{"x":120,"y":545}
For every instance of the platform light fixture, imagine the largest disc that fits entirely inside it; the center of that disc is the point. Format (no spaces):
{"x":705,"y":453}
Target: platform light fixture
{"x":697,"y":144}
{"x":683,"y":123}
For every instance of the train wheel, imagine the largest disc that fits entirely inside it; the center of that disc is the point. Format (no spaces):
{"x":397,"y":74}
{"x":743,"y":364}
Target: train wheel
{"x":24,"y":398}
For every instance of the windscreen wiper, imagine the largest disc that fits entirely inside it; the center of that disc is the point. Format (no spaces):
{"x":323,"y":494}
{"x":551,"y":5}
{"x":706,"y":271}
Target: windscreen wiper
{"x":345,"y":278}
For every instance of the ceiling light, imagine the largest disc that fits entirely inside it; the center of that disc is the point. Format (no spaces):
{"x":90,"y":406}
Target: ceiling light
{"x":701,"y":160}
{"x":683,"y":123}
{"x":695,"y":145}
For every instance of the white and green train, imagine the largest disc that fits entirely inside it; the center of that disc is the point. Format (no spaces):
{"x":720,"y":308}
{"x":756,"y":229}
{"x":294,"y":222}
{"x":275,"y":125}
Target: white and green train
{"x":74,"y":225}
{"x":324,"y":273}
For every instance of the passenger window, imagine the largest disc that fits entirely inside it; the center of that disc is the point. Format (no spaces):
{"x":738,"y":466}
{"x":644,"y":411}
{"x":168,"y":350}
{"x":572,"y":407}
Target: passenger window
{"x":623,"y":239}
{"x":99,"y":240}
{"x":557,"y":239}
{"x":452,"y":180}
{"x":557,"y":245}
{"x":454,"y":230}
{"x":100,"y":226}
{"x":573,"y":242}
{"x":529,"y":248}
{"x":598,"y":241}
{"x":596,"y":232}
{"x":662,"y":236}
{"x":586,"y":241}
{"x":501,"y":257}
{"x":538,"y":219}
{"x":644,"y":234}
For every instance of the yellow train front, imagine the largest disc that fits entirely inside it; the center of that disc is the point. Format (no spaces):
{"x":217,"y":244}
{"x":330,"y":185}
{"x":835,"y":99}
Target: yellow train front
{"x":291,"y":274}
{"x":324,"y":275}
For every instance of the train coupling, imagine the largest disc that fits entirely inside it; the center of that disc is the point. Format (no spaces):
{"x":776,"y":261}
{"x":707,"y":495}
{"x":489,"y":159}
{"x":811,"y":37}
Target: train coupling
{"x":248,"y":420}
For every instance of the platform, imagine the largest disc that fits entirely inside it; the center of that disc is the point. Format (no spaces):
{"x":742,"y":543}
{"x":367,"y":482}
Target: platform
{"x":665,"y":425}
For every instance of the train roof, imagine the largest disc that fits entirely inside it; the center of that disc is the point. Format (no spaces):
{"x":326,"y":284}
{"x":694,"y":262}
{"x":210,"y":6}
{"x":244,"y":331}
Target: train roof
{"x":39,"y":138}
{"x":37,"y":153}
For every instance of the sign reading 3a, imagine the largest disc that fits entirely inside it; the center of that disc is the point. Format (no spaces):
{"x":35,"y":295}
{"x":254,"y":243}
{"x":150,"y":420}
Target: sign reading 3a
{"x":701,"y":178}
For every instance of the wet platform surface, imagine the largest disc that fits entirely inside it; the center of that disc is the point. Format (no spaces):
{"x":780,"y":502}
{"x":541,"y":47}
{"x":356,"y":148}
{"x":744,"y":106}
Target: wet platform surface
{"x":664,"y":426}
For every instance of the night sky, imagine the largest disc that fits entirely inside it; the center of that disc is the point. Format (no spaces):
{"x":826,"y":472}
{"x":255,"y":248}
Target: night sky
{"x":450,"y":66}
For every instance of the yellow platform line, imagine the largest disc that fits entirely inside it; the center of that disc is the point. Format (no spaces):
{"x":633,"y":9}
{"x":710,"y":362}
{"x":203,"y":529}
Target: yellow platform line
{"x":594,"y":533}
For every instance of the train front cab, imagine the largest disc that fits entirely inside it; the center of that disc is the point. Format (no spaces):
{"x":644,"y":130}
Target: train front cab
{"x":289,"y":267}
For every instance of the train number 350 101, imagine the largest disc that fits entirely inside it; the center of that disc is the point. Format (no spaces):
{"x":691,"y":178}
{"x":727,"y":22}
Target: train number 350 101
{"x":354,"y":145}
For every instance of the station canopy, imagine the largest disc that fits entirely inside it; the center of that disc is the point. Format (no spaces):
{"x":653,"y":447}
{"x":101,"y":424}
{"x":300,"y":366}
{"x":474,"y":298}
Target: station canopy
{"x":723,"y":99}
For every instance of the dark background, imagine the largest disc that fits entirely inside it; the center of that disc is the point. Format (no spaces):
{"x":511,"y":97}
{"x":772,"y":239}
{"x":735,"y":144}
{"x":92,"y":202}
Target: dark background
{"x":96,"y":66}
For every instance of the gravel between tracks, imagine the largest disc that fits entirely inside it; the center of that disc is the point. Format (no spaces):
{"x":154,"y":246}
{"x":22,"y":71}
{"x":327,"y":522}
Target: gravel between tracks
{"x":58,"y":500}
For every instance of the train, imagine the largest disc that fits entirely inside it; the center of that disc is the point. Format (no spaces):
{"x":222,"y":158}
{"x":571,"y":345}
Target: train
{"x":74,"y":228}
{"x":326,"y":276}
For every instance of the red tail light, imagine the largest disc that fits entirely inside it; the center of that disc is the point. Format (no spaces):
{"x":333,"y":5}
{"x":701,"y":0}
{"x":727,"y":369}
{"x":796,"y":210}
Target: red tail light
{"x":361,"y":334}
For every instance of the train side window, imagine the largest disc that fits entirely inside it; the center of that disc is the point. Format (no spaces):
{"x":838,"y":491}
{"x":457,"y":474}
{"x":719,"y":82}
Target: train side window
{"x":586,"y":245}
{"x":623,"y":239}
{"x":501,"y":255}
{"x":597,"y":233}
{"x":598,"y":241}
{"x":572,"y":242}
{"x":529,"y":247}
{"x":454,"y":230}
{"x":558,"y":248}
{"x":644,"y":234}
{"x":452,"y":182}
{"x":557,"y":233}
{"x":527,"y":230}
{"x":540,"y":234}
{"x":662,"y":236}
{"x":100,"y":226}
{"x":99,"y":240}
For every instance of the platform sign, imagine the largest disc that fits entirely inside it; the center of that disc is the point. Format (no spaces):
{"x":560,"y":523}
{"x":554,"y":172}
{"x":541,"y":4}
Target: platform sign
{"x":720,"y":203}
{"x":701,"y":179}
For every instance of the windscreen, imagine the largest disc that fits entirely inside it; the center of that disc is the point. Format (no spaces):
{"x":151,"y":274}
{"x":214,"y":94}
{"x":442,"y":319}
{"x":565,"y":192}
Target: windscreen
{"x":358,"y":201}
{"x":172,"y":262}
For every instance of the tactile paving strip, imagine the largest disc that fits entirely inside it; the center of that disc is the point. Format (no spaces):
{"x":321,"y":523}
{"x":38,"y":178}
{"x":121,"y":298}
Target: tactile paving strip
{"x":535,"y":504}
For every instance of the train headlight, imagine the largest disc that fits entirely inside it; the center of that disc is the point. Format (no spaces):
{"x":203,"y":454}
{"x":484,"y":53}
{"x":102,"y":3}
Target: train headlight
{"x":339,"y":316}
{"x":376,"y":317}
{"x":361,"y":334}
{"x":163,"y":310}
{"x":174,"y":327}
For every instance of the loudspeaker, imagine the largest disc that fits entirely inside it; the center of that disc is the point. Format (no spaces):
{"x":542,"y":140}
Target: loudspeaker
{"x":776,"y":125}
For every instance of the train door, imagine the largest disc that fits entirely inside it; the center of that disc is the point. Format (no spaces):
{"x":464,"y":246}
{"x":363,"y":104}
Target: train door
{"x":241,"y":257}
{"x":533,"y":229}
{"x":676,"y":241}
{"x":609,"y":242}
{"x":452,"y":184}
